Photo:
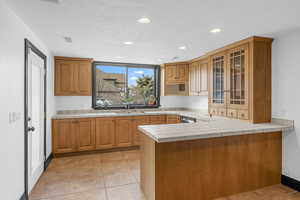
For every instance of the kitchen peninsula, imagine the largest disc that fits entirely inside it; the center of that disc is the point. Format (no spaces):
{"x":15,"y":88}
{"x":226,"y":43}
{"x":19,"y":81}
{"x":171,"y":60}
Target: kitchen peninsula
{"x":210,"y":159}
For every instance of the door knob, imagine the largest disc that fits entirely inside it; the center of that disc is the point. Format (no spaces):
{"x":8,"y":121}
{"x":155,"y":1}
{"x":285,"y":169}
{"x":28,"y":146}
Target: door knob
{"x":31,"y":129}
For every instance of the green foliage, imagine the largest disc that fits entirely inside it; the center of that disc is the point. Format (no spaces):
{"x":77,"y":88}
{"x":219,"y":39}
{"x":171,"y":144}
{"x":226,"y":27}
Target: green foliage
{"x":145,"y":85}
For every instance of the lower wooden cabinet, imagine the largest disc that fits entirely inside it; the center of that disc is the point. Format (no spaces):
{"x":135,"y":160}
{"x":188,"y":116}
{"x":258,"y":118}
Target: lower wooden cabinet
{"x":123,"y":132}
{"x":157,"y":119}
{"x":88,"y":134}
{"x":85,"y":139}
{"x":72,"y":135}
{"x":173,"y":119}
{"x":63,"y":136}
{"x":105,"y":133}
{"x":138,"y":121}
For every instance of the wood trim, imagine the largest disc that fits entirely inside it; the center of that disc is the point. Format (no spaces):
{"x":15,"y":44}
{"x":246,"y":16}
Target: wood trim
{"x":114,"y":149}
{"x":73,"y":58}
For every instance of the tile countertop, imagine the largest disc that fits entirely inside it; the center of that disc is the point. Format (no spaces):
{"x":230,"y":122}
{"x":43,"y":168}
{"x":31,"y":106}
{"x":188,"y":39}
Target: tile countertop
{"x":200,"y":115}
{"x":217,"y":127}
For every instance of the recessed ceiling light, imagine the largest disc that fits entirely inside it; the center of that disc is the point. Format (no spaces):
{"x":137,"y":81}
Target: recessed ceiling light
{"x":119,"y":57}
{"x":182,"y":48}
{"x":68,"y":39}
{"x":144,"y":20}
{"x":128,"y":43}
{"x":215,"y":30}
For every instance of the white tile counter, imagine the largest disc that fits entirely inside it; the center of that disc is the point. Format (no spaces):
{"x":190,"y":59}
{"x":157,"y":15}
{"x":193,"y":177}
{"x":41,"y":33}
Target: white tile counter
{"x":216,"y":127}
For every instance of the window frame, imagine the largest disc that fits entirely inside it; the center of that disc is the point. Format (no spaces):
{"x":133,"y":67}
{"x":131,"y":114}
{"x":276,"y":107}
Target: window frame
{"x":157,"y":74}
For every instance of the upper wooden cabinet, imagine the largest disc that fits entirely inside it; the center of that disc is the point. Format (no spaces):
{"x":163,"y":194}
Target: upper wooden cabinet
{"x":73,"y":76}
{"x":176,"y":73}
{"x":175,"y":79}
{"x":240,"y":80}
{"x":198,"y":78}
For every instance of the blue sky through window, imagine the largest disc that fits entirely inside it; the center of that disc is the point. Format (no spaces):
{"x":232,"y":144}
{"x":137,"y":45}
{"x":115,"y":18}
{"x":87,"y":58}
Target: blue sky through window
{"x":133,"y":73}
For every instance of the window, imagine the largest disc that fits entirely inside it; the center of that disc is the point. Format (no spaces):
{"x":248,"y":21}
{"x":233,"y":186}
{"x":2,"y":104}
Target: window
{"x":123,"y":85}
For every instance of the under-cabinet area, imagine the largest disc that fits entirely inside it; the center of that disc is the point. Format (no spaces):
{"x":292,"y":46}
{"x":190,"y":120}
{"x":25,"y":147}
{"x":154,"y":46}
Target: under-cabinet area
{"x":102,"y":133}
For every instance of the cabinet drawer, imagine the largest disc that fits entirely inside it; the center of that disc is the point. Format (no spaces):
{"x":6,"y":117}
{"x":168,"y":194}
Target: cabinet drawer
{"x":243,"y":114}
{"x":232,"y":113}
{"x":157,"y":119}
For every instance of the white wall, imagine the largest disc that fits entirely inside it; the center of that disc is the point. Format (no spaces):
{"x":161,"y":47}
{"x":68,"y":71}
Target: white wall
{"x":73,"y":103}
{"x":286,"y":96}
{"x":84,"y":103}
{"x":196,"y":102}
{"x":12,"y":34}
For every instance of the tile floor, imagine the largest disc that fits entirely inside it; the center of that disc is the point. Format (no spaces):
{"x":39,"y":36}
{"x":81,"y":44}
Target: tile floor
{"x":115,"y":176}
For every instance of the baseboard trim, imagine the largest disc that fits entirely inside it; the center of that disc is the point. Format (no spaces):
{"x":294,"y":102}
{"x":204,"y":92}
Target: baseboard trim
{"x":48,"y":160}
{"x":96,"y":151}
{"x":290,"y":182}
{"x":24,"y":197}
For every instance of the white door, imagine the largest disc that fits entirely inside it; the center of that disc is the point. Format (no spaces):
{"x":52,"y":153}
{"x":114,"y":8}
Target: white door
{"x":36,"y":118}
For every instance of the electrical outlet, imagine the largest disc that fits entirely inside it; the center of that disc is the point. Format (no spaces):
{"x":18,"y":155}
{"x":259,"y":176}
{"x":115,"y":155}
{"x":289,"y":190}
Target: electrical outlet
{"x":13,"y":117}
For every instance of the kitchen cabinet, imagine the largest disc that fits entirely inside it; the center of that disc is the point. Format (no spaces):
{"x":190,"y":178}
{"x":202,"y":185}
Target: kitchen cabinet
{"x":105,"y":133}
{"x":138,"y":121}
{"x":176,"y":73}
{"x":157,"y":119}
{"x":101,"y":133}
{"x":173,"y":119}
{"x":85,"y":129}
{"x":124,"y":132}
{"x":198,"y":78}
{"x":64,"y":136}
{"x":240,"y":80}
{"x":73,"y":76}
{"x":73,"y":135}
{"x":175,"y":82}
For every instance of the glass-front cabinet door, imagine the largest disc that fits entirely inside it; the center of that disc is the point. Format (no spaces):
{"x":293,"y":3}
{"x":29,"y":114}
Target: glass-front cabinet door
{"x":238,"y":78}
{"x":218,"y":79}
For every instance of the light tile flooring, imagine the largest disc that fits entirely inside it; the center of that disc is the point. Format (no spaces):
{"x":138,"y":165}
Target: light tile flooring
{"x":115,"y":176}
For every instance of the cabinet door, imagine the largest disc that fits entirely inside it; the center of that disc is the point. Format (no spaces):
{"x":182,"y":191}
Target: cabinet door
{"x":203,"y":78}
{"x":85,"y":134}
{"x":66,"y":76}
{"x":218,"y":80}
{"x":171,"y":73}
{"x":139,"y":121}
{"x":124,"y":132}
{"x":193,"y":79}
{"x":182,"y":72}
{"x":84,"y":83}
{"x":157,"y":119}
{"x":173,"y":119}
{"x":238,"y":77}
{"x":64,"y":135}
{"x":105,"y":133}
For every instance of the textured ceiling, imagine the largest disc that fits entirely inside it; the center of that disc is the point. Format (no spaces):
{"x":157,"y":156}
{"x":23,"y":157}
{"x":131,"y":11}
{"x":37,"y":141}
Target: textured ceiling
{"x":99,"y":27}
